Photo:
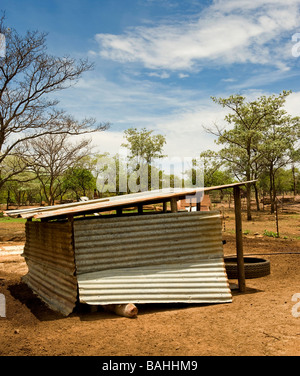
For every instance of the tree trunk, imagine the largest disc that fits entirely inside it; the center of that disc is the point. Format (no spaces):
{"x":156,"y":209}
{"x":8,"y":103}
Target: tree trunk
{"x":276,"y":218}
{"x":41,"y":198}
{"x":271,"y":190}
{"x":248,"y":188}
{"x":7,"y":199}
{"x":256,"y":197}
{"x":248,"y":196}
{"x":294,"y":179}
{"x":274,"y":196}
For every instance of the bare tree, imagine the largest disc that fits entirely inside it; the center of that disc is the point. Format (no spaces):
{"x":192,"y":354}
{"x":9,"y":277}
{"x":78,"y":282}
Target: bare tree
{"x":50,"y":156}
{"x":28,"y":75}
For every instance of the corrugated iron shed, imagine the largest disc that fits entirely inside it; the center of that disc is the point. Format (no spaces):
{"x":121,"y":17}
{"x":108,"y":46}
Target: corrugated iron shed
{"x":169,"y":257}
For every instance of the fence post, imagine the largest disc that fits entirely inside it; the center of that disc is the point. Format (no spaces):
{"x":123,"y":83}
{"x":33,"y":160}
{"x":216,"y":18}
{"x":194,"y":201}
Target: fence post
{"x":239,"y":239}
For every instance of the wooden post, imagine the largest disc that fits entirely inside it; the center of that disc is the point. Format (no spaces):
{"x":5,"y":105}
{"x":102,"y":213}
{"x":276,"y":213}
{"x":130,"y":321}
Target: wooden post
{"x":140,"y":209}
{"x":164,"y":206}
{"x":239,"y":239}
{"x":198,"y":201}
{"x":173,"y":205}
{"x":119,"y":211}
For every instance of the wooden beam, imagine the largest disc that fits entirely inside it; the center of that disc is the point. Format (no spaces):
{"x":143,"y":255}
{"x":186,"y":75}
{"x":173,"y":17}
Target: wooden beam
{"x":239,"y":238}
{"x":164,"y":206}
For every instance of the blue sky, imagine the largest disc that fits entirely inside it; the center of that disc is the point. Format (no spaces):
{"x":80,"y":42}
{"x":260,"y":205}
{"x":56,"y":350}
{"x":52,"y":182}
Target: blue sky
{"x":158,"y":62}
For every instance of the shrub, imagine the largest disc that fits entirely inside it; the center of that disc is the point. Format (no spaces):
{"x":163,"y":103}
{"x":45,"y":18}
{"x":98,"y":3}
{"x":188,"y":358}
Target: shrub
{"x":271,"y":234}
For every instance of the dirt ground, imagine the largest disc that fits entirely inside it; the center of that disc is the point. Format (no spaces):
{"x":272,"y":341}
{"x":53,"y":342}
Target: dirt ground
{"x":259,"y":322}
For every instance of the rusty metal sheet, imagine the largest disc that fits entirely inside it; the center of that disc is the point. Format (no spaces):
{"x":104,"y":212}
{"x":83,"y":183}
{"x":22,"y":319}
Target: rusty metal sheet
{"x":49,"y":256}
{"x":55,"y":288}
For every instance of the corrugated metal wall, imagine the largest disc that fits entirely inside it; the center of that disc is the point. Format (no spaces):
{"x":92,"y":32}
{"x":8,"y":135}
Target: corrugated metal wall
{"x":172,"y":257}
{"x":186,"y":283}
{"x":49,"y":256}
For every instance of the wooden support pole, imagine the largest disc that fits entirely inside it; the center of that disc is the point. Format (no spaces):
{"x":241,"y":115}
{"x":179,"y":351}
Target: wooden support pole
{"x":239,"y":238}
{"x":140,"y":209}
{"x":119,"y":211}
{"x":164,"y":206}
{"x":198,"y":201}
{"x":173,"y":205}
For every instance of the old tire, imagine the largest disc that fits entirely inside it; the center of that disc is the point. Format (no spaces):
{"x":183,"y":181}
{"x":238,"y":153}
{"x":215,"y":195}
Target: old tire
{"x":254,"y":267}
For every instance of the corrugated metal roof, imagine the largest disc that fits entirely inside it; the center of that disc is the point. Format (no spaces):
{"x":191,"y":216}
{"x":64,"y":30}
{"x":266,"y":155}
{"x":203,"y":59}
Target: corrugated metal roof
{"x":50,"y":259}
{"x":111,"y":203}
{"x":175,"y":257}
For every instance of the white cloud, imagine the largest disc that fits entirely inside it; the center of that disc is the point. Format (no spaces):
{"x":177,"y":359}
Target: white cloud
{"x":183,"y":75}
{"x":184,"y":132}
{"x":162,"y":75}
{"x":226,"y":32}
{"x":292,"y":104}
{"x":128,"y":101}
{"x":228,"y":79}
{"x":108,"y":141}
{"x":264,"y":78}
{"x":178,"y":115}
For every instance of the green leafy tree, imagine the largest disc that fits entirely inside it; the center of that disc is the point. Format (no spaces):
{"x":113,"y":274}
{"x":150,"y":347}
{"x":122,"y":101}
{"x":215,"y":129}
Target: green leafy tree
{"x":144,"y":147}
{"x":278,"y":146}
{"x":248,"y":125}
{"x":80,"y":181}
